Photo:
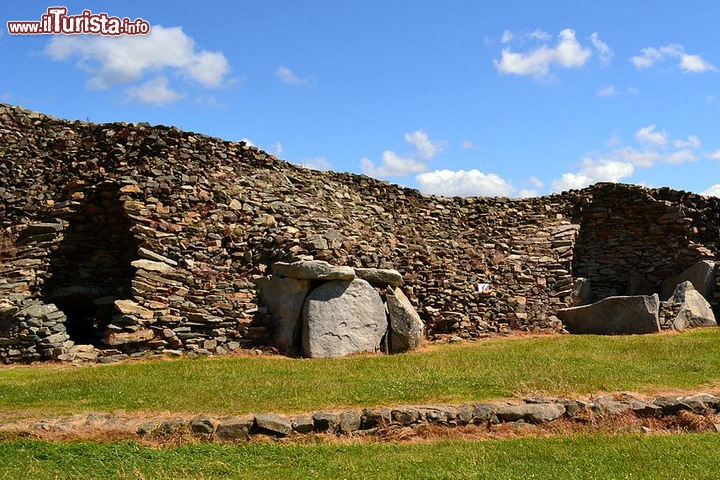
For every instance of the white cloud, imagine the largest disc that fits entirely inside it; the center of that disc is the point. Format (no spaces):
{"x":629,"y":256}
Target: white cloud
{"x":155,"y":91}
{"x":277,"y":148}
{"x":211,"y":100}
{"x":288,"y":76}
{"x":126,"y":58}
{"x":594,"y":171}
{"x":608,"y":91}
{"x":606,"y":53}
{"x":713,"y":191}
{"x":463,"y":183}
{"x":648,"y":135}
{"x":568,"y":53}
{"x":692,"y":142}
{"x":571,"y":181}
{"x":467,"y":145}
{"x":651,"y":55}
{"x":540,"y":34}
{"x":621,"y":162}
{"x":248,"y":142}
{"x":715,"y":155}
{"x":208,"y":68}
{"x":614,"y":140}
{"x":537,"y":183}
{"x":688,"y":63}
{"x":527,"y":193}
{"x":613,"y":91}
{"x":648,"y":157}
{"x":607,"y":171}
{"x":394,"y":165}
{"x":695,"y":64}
{"x":5,"y":96}
{"x":425,"y":147}
{"x":507,"y":36}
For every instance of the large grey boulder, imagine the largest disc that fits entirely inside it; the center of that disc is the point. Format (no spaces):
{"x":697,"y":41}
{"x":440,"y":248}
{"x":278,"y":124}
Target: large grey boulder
{"x":695,"y":311}
{"x":341,"y":318}
{"x":313,"y":270}
{"x":284,"y":297}
{"x":406,"y":327}
{"x":701,"y":275}
{"x":614,"y":315}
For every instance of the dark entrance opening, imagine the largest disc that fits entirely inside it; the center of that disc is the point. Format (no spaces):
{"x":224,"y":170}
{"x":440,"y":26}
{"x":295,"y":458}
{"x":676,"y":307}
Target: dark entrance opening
{"x":91,"y":267}
{"x":81,"y":322}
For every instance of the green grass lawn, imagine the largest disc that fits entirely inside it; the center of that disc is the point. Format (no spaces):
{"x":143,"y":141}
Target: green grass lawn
{"x":690,"y":456}
{"x":558,"y":365}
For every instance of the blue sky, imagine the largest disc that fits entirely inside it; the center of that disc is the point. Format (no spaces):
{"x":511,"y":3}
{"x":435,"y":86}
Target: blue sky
{"x":454,"y":97}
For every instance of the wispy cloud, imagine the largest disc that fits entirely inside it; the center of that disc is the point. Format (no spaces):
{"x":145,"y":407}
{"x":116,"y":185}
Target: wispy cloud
{"x":649,"y":136}
{"x":394,"y":165}
{"x":462,"y":183}
{"x":613,"y":91}
{"x":655,"y":147}
{"x":566,"y":53}
{"x":606,"y":53}
{"x":155,"y":91}
{"x":286,"y":75}
{"x":594,"y":171}
{"x":277,"y":148}
{"x":688,"y":63}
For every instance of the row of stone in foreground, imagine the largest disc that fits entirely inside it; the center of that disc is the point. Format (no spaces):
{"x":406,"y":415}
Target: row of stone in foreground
{"x":369,"y":420}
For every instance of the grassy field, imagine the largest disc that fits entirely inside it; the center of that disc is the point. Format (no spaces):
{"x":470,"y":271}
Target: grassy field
{"x":690,"y":456}
{"x":559,"y":365}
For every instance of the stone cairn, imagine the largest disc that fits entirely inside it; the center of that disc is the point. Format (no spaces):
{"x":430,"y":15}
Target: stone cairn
{"x":331,"y":311}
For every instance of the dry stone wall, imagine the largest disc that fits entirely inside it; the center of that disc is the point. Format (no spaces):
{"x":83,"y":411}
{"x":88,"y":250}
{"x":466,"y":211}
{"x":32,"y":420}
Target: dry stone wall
{"x":176,"y":225}
{"x":633,"y":239}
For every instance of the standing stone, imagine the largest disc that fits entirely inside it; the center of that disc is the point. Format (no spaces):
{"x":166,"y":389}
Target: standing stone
{"x":341,"y":318}
{"x":406,"y":328}
{"x":701,"y":275}
{"x":614,"y":316}
{"x":284,"y":297}
{"x":695,"y":311}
